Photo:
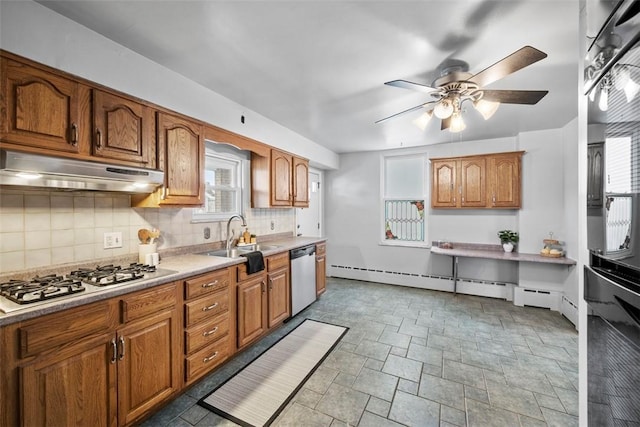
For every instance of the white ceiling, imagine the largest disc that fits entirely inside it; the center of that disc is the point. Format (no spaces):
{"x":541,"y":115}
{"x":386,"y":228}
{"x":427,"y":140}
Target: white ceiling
{"x":318,"y":67}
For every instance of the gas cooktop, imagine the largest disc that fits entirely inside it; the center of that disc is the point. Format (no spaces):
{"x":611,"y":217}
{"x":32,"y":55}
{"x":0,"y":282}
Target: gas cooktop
{"x":21,"y":294}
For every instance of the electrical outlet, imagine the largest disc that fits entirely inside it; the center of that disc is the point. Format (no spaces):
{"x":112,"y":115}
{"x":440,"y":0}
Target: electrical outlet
{"x":273,"y":225}
{"x":207,"y":233}
{"x":113,"y":240}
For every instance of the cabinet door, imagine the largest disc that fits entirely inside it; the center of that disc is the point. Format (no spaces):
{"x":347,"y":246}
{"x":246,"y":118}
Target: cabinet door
{"x":321,"y":274}
{"x":76,"y":386}
{"x":123,"y":129}
{"x":595,"y":165}
{"x":300,"y":183}
{"x":41,"y":109}
{"x":473,"y":183}
{"x":443,"y":184}
{"x":182,"y":154}
{"x":281,"y":167}
{"x":505,"y":180}
{"x":279,"y":296}
{"x":149,"y":354}
{"x":252,"y":310}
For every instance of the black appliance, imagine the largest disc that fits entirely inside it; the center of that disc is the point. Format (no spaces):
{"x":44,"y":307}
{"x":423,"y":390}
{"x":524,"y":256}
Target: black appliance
{"x":612,"y":278}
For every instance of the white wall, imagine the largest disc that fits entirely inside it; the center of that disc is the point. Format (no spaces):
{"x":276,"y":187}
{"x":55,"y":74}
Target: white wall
{"x":35,"y":32}
{"x":549,"y":189}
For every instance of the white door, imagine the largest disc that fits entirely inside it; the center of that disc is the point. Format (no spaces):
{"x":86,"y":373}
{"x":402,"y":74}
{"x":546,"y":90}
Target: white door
{"x":308,"y":219}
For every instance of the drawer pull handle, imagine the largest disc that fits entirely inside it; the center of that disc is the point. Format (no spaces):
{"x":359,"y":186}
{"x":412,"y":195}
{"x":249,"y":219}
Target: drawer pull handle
{"x":211,"y":332}
{"x":210,"y":358}
{"x":114,"y":349}
{"x":211,"y":307}
{"x":210,"y":284}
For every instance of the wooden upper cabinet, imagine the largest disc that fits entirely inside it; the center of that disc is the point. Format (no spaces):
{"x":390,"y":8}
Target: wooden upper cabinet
{"x":181,"y":156}
{"x":280,"y":180}
{"x":505,"y":180}
{"x":281,"y":168}
{"x":300,"y":183}
{"x":473,"y":183}
{"x":39,"y":109}
{"x":483,"y":181}
{"x":123,"y":129}
{"x":444,"y":183}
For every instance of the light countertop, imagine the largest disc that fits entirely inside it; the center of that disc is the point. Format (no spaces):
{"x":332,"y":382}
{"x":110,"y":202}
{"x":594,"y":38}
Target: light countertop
{"x":470,"y":250}
{"x":178,"y":267}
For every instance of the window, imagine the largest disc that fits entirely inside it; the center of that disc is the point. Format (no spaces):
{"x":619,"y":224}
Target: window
{"x":224,"y":176}
{"x":404,"y":185}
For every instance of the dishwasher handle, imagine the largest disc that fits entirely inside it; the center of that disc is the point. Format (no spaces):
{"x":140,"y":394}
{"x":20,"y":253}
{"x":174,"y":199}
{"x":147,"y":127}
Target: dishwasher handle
{"x":300,"y":252}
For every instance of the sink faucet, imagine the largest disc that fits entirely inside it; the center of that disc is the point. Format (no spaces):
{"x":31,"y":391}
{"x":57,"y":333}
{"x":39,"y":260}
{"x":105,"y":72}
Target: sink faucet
{"x":230,"y":232}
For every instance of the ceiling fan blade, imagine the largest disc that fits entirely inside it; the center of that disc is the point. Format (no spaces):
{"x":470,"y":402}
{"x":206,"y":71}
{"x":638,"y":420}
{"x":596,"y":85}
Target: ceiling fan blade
{"x":512,"y":63}
{"x":411,"y":86}
{"x":514,"y":96}
{"x":403,"y":112}
{"x":446,"y":123}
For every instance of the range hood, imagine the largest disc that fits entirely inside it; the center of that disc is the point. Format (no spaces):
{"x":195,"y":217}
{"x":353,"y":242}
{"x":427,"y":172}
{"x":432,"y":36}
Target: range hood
{"x":36,"y":170}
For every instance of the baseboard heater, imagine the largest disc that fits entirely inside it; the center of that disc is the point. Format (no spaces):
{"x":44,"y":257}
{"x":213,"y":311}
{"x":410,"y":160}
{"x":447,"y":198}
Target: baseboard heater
{"x":488,"y":288}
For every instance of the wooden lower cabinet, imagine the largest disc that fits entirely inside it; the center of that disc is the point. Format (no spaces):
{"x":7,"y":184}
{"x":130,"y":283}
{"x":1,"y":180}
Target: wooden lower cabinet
{"x":208,"y":324}
{"x":321,"y":268}
{"x":148,"y":367}
{"x":279,"y":296}
{"x":97,"y":368}
{"x":72,"y":387}
{"x":252,"y":309}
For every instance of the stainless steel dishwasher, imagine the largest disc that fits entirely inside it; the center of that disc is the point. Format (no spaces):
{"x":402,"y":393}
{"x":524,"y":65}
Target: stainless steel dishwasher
{"x":303,"y":278}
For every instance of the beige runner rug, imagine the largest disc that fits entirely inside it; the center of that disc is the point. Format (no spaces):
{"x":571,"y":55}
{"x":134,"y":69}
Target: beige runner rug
{"x":260,"y":391}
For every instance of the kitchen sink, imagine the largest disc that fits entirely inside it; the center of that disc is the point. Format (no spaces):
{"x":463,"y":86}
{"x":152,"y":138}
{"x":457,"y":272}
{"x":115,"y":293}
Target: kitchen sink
{"x":238,"y":251}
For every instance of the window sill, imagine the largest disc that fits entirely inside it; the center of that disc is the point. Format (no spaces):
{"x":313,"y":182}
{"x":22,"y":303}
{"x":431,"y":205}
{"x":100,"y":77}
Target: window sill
{"x":403,"y":244}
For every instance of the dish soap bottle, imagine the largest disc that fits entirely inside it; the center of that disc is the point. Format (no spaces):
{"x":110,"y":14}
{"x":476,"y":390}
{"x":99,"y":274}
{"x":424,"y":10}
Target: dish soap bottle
{"x":246,"y":235}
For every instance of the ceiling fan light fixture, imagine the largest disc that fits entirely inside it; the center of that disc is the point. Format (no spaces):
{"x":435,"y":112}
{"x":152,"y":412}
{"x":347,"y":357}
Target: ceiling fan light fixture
{"x":443,"y":109}
{"x":603,"y":103}
{"x":631,"y":89}
{"x":423,"y":120}
{"x":457,"y":124}
{"x":486,"y":108}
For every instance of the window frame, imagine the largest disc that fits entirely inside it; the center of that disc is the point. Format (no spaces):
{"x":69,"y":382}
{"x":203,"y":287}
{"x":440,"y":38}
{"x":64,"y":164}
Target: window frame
{"x":424,"y":197}
{"x":226,"y":154}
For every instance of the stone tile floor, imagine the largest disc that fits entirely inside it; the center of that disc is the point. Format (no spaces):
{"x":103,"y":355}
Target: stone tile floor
{"x":416,"y":357}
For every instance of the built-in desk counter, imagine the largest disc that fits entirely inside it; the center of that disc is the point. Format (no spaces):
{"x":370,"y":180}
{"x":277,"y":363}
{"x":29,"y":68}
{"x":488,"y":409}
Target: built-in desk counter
{"x":475,"y":250}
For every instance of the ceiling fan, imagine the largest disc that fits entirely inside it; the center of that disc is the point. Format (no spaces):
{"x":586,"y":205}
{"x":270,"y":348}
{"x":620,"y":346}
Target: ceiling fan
{"x":456,"y":86}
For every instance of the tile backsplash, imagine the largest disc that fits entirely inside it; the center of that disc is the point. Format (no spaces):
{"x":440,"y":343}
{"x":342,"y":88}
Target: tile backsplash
{"x":44,"y":228}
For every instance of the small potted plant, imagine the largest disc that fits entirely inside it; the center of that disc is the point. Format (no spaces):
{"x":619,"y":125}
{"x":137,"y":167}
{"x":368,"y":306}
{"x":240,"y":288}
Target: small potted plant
{"x":508,"y":238}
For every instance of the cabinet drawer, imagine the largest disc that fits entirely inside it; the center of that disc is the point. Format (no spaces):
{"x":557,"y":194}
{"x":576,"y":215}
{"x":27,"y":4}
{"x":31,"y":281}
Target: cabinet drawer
{"x":321,"y":248}
{"x":148,"y":302}
{"x":69,"y":326}
{"x":242,"y":273}
{"x":206,"y":307}
{"x":206,"y":359}
{"x":206,"y":333}
{"x":275,"y":262}
{"x":206,"y":284}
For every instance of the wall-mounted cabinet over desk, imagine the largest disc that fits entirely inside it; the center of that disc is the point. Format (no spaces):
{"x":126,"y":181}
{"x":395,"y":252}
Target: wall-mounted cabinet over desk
{"x":490,"y":181}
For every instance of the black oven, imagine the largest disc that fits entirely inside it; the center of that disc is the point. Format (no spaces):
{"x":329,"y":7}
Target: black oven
{"x":612,"y":279}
